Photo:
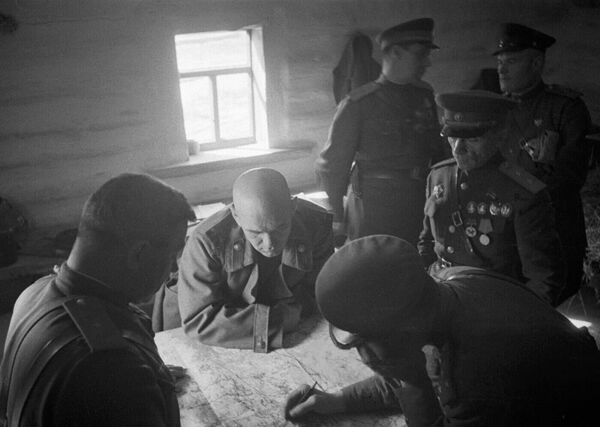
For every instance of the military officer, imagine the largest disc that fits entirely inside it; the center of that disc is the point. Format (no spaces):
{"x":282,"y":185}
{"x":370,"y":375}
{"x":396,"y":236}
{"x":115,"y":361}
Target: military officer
{"x":389,"y":130}
{"x":247,"y":273}
{"x":508,"y":358}
{"x":483,"y":211}
{"x":78,"y":351}
{"x":547,"y":136}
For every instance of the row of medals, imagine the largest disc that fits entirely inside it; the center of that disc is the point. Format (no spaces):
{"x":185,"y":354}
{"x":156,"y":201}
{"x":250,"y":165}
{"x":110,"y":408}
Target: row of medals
{"x":485,"y":223}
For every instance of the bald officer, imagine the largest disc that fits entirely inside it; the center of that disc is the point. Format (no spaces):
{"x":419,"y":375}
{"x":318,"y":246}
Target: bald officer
{"x":481,"y":210}
{"x":389,"y":130}
{"x":508,"y":359}
{"x":247,"y":273}
{"x":547,"y":136}
{"x":78,"y":351}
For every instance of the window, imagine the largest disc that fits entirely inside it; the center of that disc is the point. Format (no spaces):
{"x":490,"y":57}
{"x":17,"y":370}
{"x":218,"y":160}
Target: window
{"x":220,"y":76}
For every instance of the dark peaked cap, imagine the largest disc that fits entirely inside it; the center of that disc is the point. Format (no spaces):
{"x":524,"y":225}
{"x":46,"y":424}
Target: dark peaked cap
{"x":516,"y":37}
{"x":371,"y":284}
{"x":472,"y":113}
{"x":415,"y":31}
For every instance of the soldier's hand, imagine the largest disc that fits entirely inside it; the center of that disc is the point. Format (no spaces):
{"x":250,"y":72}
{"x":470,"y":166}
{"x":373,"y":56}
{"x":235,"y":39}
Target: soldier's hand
{"x":306,"y":399}
{"x":179,"y":373}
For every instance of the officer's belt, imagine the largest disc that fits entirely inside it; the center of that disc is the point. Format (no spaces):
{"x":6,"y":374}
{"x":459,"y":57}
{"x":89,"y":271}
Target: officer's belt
{"x":393,"y":175}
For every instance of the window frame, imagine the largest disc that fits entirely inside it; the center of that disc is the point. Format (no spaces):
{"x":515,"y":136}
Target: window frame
{"x":212,"y":74}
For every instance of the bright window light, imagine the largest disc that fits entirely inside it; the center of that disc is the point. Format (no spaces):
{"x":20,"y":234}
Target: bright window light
{"x":216,"y":84}
{"x":580,"y":323}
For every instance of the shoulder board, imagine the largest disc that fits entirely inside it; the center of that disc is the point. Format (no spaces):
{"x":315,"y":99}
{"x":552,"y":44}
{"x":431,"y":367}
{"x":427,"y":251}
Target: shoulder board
{"x":94,"y":324}
{"x":564,"y":91}
{"x":423,"y":85}
{"x":447,"y":162}
{"x":362,"y":91}
{"x":522,"y":177}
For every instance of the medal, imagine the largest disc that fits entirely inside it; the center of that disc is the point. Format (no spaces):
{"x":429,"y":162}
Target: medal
{"x":494,"y":208}
{"x":471,"y":207}
{"x":484,"y":239}
{"x":482,"y":208}
{"x":464,"y":185}
{"x":506,"y":210}
{"x":470,"y":231}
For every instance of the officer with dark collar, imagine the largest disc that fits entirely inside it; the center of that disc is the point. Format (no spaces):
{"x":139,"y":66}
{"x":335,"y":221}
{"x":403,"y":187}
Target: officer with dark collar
{"x":389,"y":130}
{"x":78,"y":351}
{"x":483,"y":211}
{"x":547,"y":136}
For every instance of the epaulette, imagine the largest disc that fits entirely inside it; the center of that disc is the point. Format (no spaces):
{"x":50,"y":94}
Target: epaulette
{"x":94,"y":324}
{"x":447,"y":162}
{"x":362,"y":91}
{"x":564,"y":91}
{"x":423,"y":85}
{"x":522,"y":177}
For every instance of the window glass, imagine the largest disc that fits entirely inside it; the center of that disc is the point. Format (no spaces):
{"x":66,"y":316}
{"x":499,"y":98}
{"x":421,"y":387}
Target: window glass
{"x":212,"y":51}
{"x":235,"y":106}
{"x":198,"y":111}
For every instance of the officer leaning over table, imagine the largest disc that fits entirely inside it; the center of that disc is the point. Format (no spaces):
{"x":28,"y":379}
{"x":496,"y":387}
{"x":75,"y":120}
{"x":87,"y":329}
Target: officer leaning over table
{"x":247,"y":273}
{"x":547,"y":130}
{"x":78,"y":351}
{"x":508,"y":358}
{"x":483,"y":211}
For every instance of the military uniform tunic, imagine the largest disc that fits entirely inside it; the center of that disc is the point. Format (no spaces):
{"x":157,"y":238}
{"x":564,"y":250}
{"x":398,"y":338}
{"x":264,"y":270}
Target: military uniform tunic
{"x":497,"y":217}
{"x":224,"y":284}
{"x":547,"y":138}
{"x":508,"y":359}
{"x":77,"y":354}
{"x":391,"y":132}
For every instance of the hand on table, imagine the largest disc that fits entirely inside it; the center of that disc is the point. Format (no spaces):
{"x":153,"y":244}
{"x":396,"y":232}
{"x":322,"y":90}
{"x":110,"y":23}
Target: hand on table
{"x":179,"y":374}
{"x":306,"y":399}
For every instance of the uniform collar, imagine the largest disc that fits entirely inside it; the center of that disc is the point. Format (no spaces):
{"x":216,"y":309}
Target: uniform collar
{"x":297,"y":252}
{"x":383,"y":80}
{"x":529,"y":93}
{"x":72,"y":282}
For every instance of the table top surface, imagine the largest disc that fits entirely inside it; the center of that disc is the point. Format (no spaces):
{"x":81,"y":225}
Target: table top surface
{"x":231,"y":387}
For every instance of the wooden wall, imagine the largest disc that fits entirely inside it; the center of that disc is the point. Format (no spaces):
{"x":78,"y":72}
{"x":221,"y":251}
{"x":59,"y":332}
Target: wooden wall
{"x":88,"y":88}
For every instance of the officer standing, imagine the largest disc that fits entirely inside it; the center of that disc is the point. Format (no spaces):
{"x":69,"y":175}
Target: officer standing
{"x":389,"y":130}
{"x":483,"y":211}
{"x":508,"y":359}
{"x":78,"y":351}
{"x":547,"y":136}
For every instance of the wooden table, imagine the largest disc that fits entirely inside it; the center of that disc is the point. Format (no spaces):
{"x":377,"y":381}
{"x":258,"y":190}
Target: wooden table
{"x":229,"y":387}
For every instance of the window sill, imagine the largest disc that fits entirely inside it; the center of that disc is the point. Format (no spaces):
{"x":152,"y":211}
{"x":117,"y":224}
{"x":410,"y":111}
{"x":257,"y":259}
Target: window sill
{"x":215,"y":160}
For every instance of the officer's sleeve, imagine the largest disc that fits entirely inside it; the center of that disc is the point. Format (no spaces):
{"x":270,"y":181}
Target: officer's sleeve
{"x":539,"y":247}
{"x":413,"y":395}
{"x":426,"y":240}
{"x":334,"y":162}
{"x":571,"y":165}
{"x":208,"y":312}
{"x":109,"y":388}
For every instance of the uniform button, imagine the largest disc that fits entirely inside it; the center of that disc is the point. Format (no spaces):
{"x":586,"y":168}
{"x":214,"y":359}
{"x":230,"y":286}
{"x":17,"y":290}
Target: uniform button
{"x":451,"y":229}
{"x":301,"y":248}
{"x":464,"y":185}
{"x":237,"y":246}
{"x":450,"y":249}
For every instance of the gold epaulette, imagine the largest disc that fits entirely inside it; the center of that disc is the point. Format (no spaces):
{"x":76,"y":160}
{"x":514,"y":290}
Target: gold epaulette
{"x":362,"y":91}
{"x":522,"y":177}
